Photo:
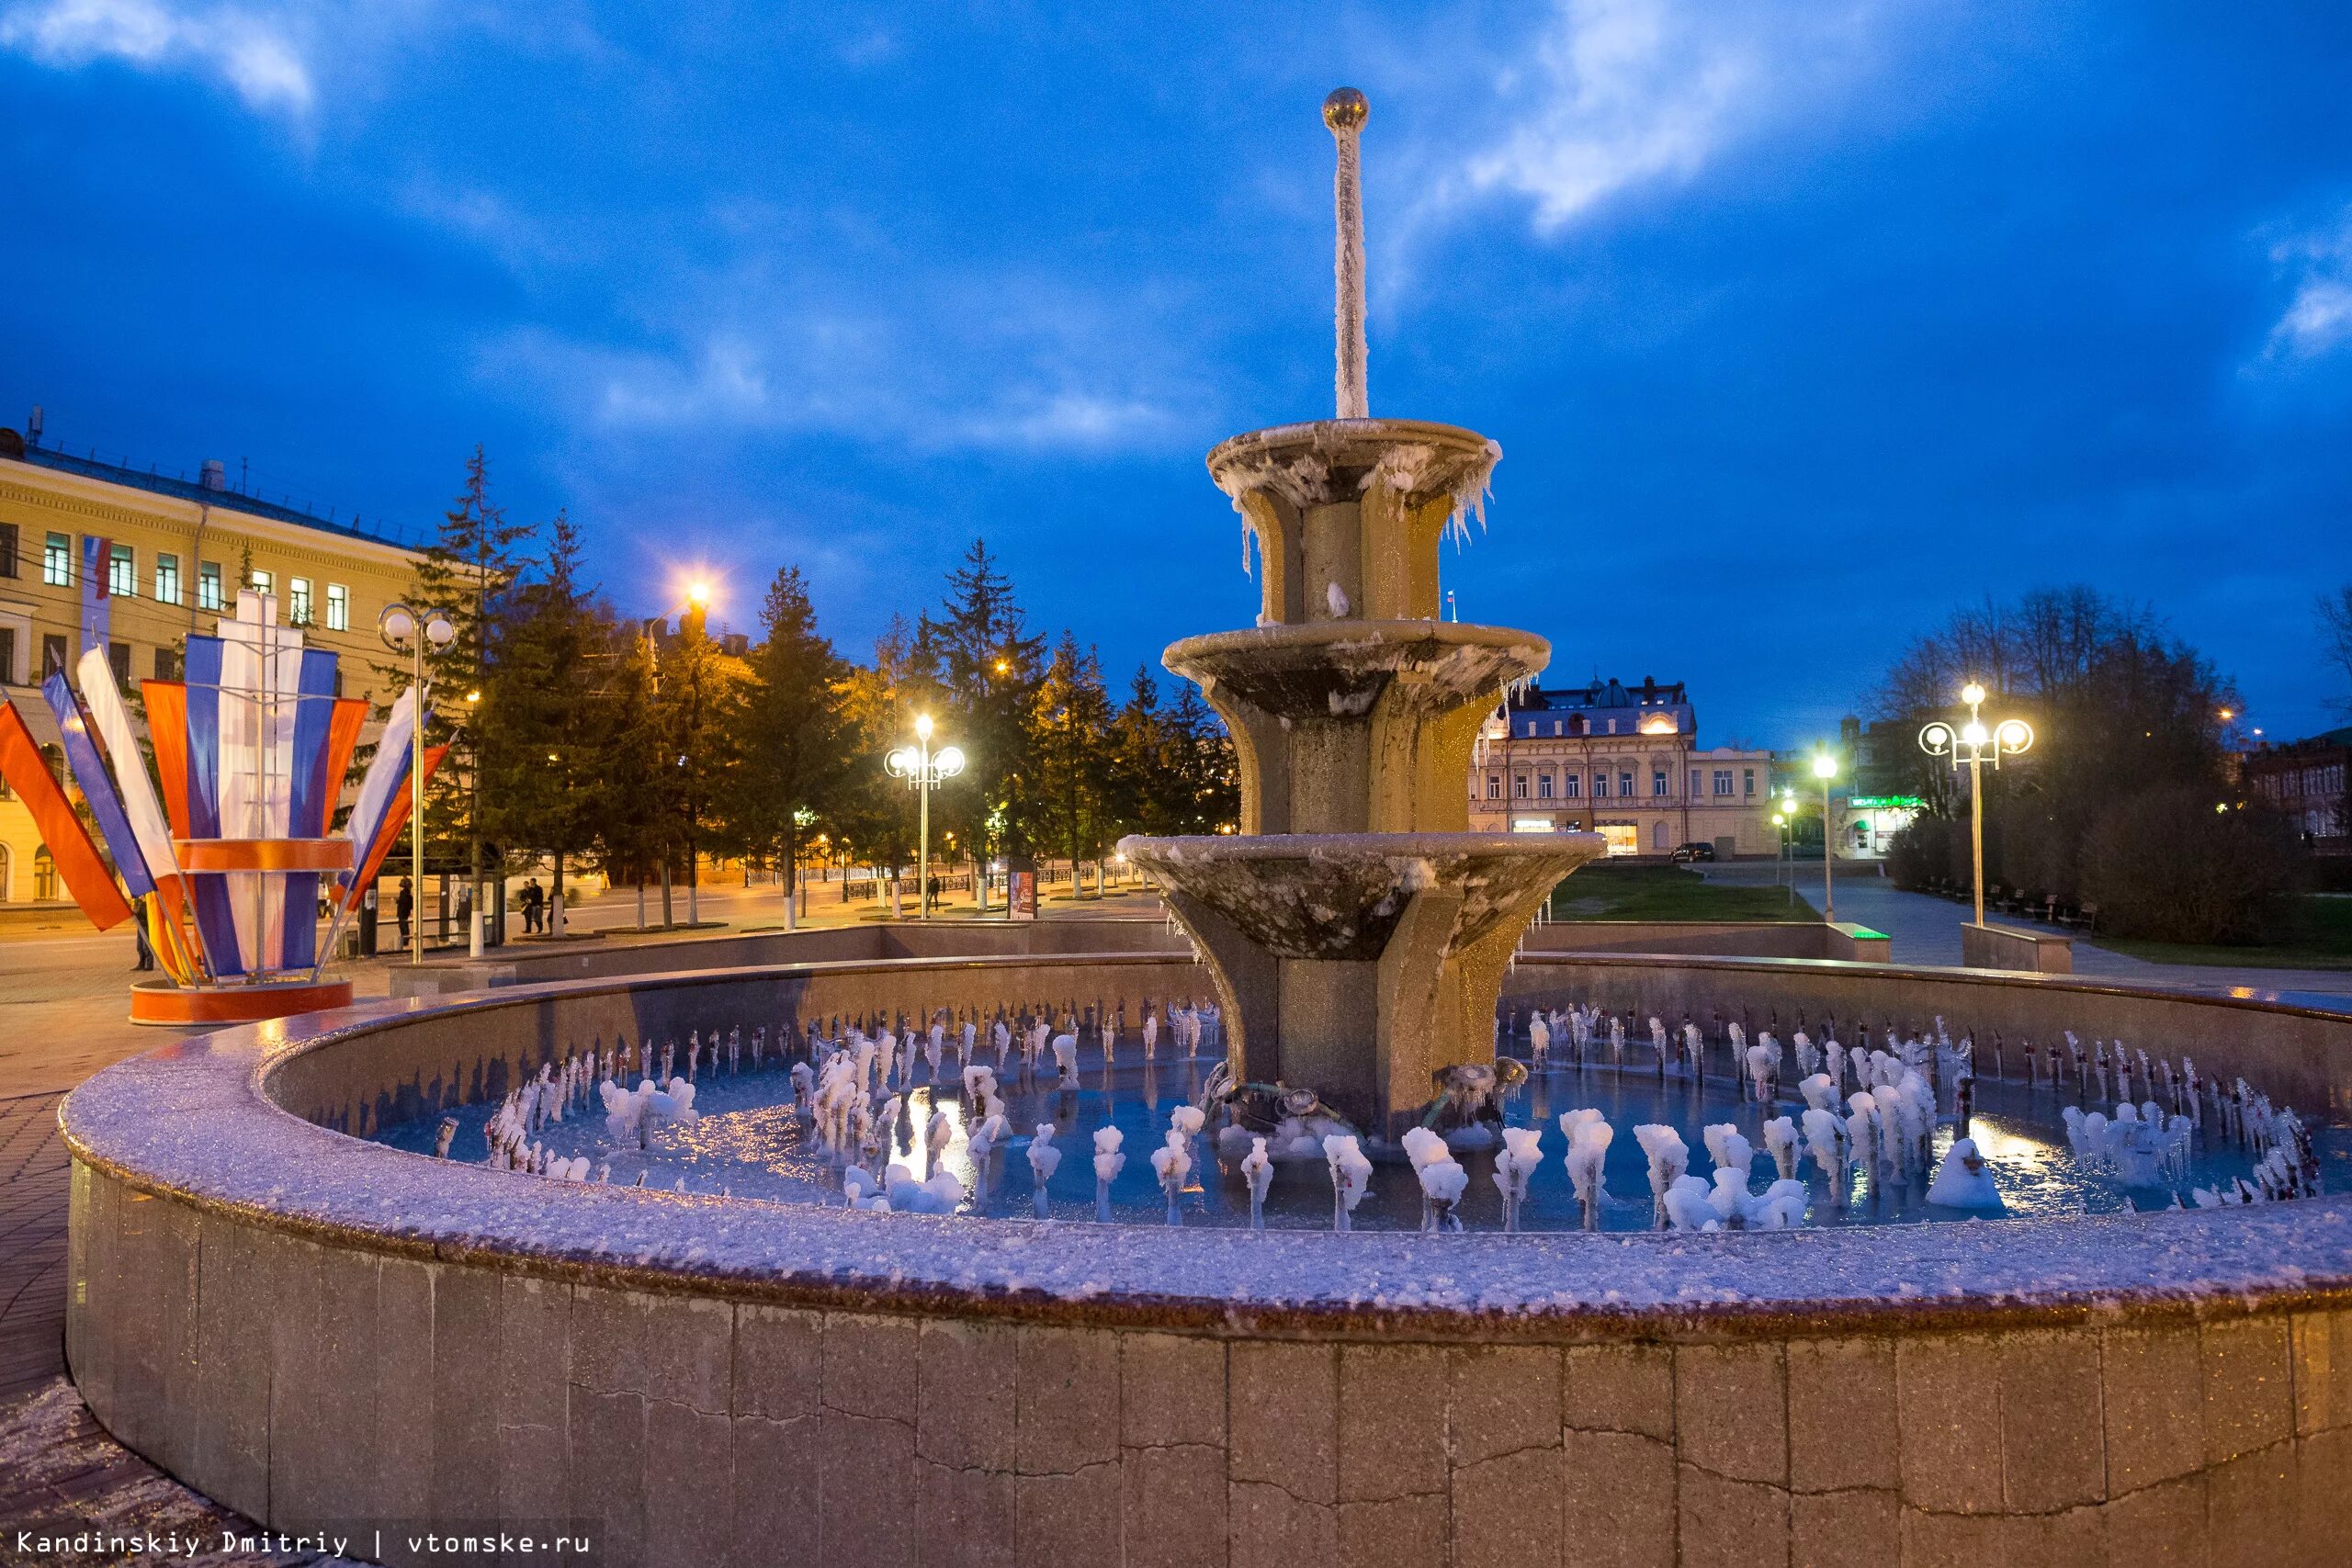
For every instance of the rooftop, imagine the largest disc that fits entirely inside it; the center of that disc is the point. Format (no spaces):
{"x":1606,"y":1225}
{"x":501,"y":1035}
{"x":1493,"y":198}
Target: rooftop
{"x":210,"y":486}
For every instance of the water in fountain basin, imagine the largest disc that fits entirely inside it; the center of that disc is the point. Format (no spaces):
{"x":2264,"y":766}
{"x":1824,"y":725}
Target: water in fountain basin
{"x":748,"y":1141}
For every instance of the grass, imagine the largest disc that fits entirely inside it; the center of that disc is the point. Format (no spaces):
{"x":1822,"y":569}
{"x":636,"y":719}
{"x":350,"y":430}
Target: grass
{"x":2318,"y":936}
{"x":1604,"y":892}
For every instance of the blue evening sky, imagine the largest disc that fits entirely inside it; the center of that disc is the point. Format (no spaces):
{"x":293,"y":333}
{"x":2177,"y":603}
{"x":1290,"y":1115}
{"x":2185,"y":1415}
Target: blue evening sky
{"x":1801,"y":323}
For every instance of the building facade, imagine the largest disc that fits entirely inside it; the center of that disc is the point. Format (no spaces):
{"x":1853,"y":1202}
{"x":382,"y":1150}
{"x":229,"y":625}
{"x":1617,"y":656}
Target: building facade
{"x":1623,"y":761}
{"x":175,"y":552}
{"x":2310,"y":781}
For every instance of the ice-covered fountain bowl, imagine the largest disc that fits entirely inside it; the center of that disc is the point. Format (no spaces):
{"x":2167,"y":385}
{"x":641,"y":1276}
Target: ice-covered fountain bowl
{"x":313,"y":1327}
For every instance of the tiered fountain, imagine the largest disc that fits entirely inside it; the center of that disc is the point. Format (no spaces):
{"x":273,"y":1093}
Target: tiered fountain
{"x":1357,"y":933}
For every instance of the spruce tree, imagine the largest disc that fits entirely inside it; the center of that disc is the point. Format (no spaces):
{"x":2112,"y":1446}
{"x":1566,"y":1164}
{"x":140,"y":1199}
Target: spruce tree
{"x":988,"y":663}
{"x":791,"y":740}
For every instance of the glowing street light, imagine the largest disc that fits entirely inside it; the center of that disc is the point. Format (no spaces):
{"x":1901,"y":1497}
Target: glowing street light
{"x":1974,"y":744}
{"x":921,"y":768}
{"x":406,"y":631}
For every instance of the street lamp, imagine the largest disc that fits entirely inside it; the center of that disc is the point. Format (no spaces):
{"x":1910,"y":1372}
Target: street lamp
{"x":1787,"y":861}
{"x":921,"y":768}
{"x":1824,"y":768}
{"x":1974,"y":744}
{"x":400,"y":627}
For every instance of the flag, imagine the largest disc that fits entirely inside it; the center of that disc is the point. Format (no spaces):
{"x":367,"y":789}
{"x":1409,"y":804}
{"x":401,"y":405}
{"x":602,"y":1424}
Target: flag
{"x":78,"y":863}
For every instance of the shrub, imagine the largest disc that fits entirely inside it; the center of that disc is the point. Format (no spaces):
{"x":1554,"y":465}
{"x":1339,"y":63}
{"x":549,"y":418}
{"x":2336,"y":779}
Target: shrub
{"x":2165,"y":865}
{"x":1920,"y":853}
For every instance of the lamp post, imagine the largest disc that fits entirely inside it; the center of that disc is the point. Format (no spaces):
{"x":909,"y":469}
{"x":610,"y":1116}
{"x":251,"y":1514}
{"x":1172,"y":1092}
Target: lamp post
{"x":921,"y":768}
{"x":404,"y":631}
{"x":1973,"y":744}
{"x":1780,"y":827}
{"x":1824,"y":768}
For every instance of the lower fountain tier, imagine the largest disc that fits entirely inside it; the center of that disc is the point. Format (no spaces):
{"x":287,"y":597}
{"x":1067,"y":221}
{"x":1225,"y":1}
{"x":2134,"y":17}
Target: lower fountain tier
{"x":1342,"y":895}
{"x":1359,"y":965}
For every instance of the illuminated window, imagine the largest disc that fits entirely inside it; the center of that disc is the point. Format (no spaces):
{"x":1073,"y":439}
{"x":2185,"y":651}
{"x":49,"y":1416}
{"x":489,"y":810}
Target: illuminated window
{"x":167,"y":580}
{"x":208,"y":586}
{"x":261,"y":581}
{"x":338,"y":607}
{"x":298,"y":600}
{"x":122,"y":573}
{"x":57,"y":561}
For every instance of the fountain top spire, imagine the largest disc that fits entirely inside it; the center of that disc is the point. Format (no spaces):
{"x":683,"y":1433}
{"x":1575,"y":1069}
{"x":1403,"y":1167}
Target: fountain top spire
{"x":1345,"y":111}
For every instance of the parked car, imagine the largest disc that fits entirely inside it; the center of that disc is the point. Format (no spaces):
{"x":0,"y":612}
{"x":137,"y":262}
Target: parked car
{"x":1697,"y":848}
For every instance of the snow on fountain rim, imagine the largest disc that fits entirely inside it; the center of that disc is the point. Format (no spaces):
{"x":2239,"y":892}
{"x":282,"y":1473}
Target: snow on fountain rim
{"x":194,"y":1120}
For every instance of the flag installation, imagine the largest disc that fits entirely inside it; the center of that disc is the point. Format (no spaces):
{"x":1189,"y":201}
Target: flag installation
{"x":229,"y":836}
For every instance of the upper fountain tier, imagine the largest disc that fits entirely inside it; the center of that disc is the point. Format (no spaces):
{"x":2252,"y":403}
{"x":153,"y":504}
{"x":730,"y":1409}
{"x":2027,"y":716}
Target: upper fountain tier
{"x":1348,"y":514}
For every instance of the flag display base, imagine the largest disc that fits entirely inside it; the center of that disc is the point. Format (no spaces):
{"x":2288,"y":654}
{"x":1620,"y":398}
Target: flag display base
{"x":161,"y":1003}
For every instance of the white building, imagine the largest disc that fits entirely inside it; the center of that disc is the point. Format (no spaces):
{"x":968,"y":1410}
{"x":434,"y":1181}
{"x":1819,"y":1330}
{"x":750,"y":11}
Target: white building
{"x":1623,"y":763}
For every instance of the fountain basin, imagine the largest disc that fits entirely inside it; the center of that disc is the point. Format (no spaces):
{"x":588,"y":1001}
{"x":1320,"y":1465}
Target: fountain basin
{"x":313,"y":1328}
{"x":1318,"y":462}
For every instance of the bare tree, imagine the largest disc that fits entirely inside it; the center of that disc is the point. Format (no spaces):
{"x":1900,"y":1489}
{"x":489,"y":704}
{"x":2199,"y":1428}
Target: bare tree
{"x":2335,"y":639}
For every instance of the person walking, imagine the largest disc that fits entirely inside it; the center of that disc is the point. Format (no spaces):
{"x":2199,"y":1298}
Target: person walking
{"x":138,"y":933}
{"x":404,"y":908}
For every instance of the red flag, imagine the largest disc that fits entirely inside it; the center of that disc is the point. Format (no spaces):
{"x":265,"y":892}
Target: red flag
{"x":395,"y":818}
{"x":77,"y":860}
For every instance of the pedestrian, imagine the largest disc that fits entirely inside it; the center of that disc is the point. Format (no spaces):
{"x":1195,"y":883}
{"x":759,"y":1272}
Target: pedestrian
{"x":139,"y":933}
{"x":535,"y":906}
{"x":404,"y":908}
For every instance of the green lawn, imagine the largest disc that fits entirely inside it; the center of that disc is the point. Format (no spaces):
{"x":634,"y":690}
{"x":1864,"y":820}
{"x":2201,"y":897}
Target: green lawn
{"x":2320,"y":937}
{"x":1605,"y":892}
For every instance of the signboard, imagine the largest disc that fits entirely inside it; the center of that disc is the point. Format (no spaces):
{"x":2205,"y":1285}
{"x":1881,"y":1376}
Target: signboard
{"x":1024,"y":895}
{"x":1885,"y":803}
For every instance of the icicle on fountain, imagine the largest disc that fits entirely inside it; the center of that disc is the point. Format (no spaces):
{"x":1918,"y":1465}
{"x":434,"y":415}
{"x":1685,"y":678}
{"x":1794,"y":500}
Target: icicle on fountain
{"x":1357,"y":933}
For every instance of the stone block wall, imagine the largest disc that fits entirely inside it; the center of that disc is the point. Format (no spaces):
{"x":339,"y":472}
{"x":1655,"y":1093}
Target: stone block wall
{"x":306,"y":1380}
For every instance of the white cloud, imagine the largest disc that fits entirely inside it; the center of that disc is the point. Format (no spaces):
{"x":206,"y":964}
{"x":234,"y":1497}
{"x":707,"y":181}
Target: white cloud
{"x":1623,"y":93}
{"x":2318,"y":319}
{"x":255,"y":54}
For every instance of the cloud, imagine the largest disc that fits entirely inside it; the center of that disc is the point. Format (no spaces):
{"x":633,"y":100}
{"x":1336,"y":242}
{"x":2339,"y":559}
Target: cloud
{"x":2318,"y":318}
{"x":254,"y":54}
{"x":1627,"y":93}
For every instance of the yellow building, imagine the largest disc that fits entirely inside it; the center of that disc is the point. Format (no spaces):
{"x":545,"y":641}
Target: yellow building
{"x":177,"y":551}
{"x":1623,"y":761}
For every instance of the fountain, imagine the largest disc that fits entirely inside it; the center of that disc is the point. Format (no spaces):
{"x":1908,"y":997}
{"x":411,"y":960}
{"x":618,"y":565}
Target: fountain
{"x":1356,"y":931}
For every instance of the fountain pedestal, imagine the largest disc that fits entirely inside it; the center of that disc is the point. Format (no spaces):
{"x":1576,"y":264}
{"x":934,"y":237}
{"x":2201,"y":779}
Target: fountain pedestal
{"x":1357,"y":933}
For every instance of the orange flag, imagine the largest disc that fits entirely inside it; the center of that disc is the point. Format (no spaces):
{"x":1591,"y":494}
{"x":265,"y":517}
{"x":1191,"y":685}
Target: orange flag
{"x":77,"y":860}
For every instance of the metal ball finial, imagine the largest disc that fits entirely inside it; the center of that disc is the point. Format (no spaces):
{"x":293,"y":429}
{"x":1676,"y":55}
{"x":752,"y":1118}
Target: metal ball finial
{"x":1345,"y":110}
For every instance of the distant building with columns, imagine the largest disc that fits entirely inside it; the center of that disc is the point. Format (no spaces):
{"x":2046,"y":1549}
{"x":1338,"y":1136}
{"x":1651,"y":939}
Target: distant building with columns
{"x":1623,"y":761}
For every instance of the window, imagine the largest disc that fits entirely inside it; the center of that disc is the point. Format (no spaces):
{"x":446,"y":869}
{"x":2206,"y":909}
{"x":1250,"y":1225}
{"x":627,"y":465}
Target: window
{"x":167,"y":580}
{"x":1612,"y":727}
{"x":8,"y":655}
{"x":208,"y":586}
{"x":261,"y":581}
{"x":53,"y":756}
{"x":52,"y":653}
{"x":1625,"y":785}
{"x":122,"y":572}
{"x":118,"y":655}
{"x":57,"y":561}
{"x":1747,"y":781}
{"x":1601,"y":784}
{"x":1543,"y":786}
{"x":1519,"y":786}
{"x":1570,"y":784}
{"x":168,"y":664}
{"x":44,"y":877}
{"x":338,"y":607}
{"x":1494,"y":787}
{"x":1723,"y":781}
{"x":8,"y":549}
{"x":1694,"y":784}
{"x":298,"y":600}
{"x":1658,"y":835}
{"x":1657,"y":781}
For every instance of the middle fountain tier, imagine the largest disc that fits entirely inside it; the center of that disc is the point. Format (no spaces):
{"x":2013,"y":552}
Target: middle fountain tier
{"x":1357,"y":931}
